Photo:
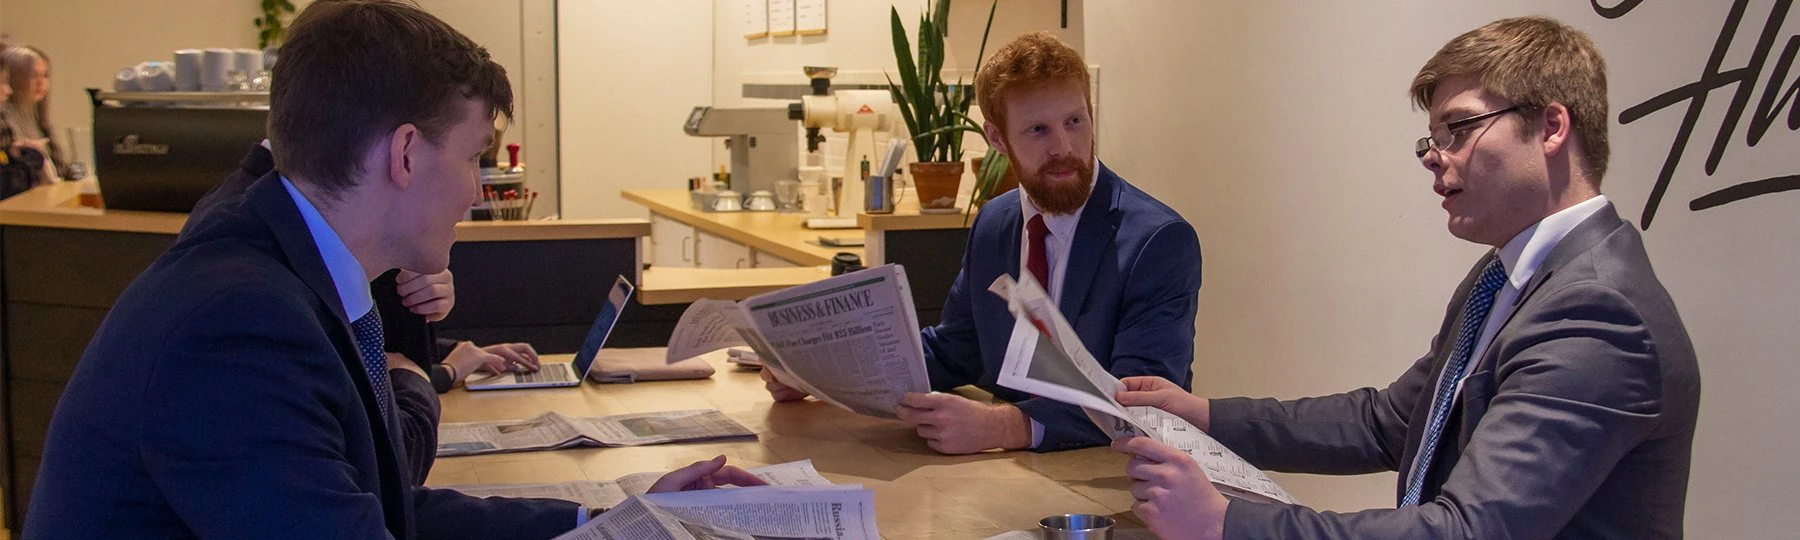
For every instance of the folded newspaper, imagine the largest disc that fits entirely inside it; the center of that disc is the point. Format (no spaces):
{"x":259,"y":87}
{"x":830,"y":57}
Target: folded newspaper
{"x":845,"y":512}
{"x":551,"y":430}
{"x":1046,"y":358}
{"x":608,"y":494}
{"x":850,"y":340}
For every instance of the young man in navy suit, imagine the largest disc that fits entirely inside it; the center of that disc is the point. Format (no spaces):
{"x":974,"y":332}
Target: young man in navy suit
{"x":239,"y":387}
{"x":1123,"y":268}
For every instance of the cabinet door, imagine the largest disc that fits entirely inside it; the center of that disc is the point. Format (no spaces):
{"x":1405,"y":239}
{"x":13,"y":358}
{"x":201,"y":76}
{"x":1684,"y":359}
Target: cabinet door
{"x":671,"y":243}
{"x":718,"y":252}
{"x":762,"y":259}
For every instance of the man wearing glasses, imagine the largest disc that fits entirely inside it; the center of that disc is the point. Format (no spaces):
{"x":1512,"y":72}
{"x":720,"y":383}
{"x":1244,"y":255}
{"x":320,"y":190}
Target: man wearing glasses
{"x":1559,"y":396}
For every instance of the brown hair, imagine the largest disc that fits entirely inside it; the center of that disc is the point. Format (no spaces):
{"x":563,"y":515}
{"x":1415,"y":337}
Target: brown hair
{"x":1030,"y":61}
{"x":352,"y":71}
{"x":21,"y":63}
{"x":1532,"y":62}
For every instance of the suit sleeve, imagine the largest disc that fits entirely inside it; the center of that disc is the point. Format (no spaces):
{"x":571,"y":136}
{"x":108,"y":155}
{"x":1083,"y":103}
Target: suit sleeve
{"x":1357,"y":432}
{"x":271,"y":452}
{"x":952,"y":348}
{"x":1578,"y":389}
{"x":417,"y":407}
{"x":1155,"y":335}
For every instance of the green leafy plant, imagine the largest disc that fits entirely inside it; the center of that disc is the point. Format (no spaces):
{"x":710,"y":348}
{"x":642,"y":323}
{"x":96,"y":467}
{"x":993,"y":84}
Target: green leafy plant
{"x":270,"y":28}
{"x":936,"y":113}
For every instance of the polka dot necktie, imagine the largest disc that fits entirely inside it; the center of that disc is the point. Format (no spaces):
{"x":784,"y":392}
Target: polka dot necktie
{"x":374,"y":359}
{"x":1474,"y":317}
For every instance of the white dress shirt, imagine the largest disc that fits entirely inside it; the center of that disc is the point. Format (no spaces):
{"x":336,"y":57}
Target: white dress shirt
{"x":346,"y":272}
{"x":1056,"y":244}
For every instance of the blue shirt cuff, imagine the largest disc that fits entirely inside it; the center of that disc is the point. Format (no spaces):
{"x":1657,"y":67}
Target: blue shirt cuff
{"x":1037,"y":433}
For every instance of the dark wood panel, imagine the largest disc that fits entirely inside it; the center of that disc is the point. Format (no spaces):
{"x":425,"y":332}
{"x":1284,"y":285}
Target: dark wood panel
{"x":45,"y":342}
{"x":17,"y":500}
{"x":32,"y":404}
{"x":72,"y":267}
{"x":932,"y":259}
{"x":535,"y":283}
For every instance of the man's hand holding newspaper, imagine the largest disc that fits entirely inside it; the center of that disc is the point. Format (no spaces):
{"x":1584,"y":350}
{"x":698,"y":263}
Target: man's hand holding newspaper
{"x":850,"y":340}
{"x":1178,"y":472}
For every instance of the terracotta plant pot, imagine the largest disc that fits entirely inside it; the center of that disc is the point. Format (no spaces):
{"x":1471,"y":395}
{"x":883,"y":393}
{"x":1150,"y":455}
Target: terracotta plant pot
{"x":937,"y":184}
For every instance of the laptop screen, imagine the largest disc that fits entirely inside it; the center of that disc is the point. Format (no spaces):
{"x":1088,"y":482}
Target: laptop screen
{"x":603,"y":325}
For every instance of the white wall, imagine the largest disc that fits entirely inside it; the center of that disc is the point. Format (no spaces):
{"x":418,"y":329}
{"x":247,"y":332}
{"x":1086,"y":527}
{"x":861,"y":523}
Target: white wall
{"x":1282,"y":131}
{"x":629,"y":74}
{"x":90,"y":40}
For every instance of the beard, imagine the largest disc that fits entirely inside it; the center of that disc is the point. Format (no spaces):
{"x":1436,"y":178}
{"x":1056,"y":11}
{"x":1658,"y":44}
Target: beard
{"x":1054,"y":197}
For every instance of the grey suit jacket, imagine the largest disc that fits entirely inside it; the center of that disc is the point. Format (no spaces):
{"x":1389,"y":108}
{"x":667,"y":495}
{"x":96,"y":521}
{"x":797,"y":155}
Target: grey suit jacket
{"x":1577,"y":422}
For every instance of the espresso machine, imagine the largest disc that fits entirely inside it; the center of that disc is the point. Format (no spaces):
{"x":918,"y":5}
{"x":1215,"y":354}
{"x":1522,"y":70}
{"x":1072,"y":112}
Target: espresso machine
{"x":764,"y":144}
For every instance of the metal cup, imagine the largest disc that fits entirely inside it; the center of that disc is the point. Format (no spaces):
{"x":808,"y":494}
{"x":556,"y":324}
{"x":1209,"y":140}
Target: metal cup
{"x":1076,"y":527}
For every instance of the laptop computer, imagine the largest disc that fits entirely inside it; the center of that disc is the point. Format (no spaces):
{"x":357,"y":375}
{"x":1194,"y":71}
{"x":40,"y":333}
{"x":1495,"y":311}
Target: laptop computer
{"x":570,"y":374}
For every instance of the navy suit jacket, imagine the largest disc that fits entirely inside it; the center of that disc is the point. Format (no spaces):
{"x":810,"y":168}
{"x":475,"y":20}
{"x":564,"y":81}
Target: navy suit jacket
{"x":1130,"y":291}
{"x":223,"y":397}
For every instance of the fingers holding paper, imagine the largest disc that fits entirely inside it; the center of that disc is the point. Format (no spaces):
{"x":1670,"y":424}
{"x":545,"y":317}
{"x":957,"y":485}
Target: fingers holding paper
{"x":778,"y":390}
{"x":1160,"y":393}
{"x":1174,"y":497}
{"x":953,"y":424}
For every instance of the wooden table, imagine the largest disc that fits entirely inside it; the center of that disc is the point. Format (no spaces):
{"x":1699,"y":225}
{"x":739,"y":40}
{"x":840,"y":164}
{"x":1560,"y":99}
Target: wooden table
{"x":918,"y":492}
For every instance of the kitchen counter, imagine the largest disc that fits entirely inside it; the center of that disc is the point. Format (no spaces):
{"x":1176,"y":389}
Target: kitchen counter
{"x":776,"y":233}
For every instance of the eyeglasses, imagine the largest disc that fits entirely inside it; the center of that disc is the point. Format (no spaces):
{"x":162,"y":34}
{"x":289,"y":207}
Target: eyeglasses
{"x":1443,"y":136}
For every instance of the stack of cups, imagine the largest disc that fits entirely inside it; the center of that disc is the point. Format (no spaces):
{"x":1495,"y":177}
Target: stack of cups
{"x":215,"y":68}
{"x":126,"y":81}
{"x":187,"y":70}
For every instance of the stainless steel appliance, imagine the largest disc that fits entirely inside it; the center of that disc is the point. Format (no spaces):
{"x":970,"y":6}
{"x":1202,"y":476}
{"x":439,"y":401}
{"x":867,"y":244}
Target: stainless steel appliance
{"x":764,"y":143}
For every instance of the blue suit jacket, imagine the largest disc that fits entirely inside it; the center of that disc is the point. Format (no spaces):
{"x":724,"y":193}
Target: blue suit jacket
{"x":223,"y":397}
{"x":1130,"y":290}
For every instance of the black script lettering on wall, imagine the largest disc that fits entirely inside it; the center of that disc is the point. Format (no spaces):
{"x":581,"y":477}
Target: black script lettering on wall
{"x":1743,"y":80}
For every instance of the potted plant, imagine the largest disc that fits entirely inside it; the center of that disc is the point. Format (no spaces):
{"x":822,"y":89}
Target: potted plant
{"x":937,"y":114}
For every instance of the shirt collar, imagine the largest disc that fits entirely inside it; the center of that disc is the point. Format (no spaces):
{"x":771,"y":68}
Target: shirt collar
{"x":346,"y":272}
{"x":1061,"y":226}
{"x":1522,"y":255}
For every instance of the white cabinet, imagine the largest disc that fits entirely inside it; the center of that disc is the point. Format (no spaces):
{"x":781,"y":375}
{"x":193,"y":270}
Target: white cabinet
{"x":718,"y":252}
{"x":671,"y":243}
{"x":762,"y":259}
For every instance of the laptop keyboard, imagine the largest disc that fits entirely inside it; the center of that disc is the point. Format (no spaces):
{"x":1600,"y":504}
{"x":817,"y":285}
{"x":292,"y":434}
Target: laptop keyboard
{"x":548,"y":373}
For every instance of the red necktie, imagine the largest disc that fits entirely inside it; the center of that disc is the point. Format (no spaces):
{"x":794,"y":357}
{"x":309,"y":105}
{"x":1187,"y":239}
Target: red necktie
{"x":1039,"y":261}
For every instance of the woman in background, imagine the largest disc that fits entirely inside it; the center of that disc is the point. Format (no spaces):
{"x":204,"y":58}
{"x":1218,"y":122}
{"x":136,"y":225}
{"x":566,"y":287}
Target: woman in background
{"x":23,"y":164}
{"x":27,"y":112}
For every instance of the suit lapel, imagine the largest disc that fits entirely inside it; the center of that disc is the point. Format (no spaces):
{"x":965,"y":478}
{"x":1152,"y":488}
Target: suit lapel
{"x":1579,"y":240}
{"x":1093,"y":239}
{"x":271,"y":201}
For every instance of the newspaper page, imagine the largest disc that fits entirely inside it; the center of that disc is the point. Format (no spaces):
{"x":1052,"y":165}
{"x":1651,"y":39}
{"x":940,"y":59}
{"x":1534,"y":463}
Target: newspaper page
{"x":1046,"y":357}
{"x":850,"y":340}
{"x":754,"y":513}
{"x":552,"y":431}
{"x":609,"y":494}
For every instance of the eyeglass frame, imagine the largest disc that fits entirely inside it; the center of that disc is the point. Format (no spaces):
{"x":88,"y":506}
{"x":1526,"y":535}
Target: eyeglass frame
{"x":1428,"y":143}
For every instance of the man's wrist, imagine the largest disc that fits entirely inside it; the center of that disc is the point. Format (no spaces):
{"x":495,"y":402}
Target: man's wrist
{"x":1013,"y":427}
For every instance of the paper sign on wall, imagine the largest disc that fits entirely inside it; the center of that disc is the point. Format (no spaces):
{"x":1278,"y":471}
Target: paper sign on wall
{"x":781,"y":18}
{"x":756,"y":19}
{"x":809,"y":17}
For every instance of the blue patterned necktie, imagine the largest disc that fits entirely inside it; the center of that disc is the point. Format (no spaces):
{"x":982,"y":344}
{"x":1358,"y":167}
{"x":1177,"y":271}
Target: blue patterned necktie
{"x":1474,"y":317}
{"x":374,"y":359}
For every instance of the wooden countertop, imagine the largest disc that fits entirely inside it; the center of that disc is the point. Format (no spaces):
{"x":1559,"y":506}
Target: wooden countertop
{"x":908,"y":218}
{"x":779,"y":234}
{"x":918,"y":493}
{"x":61,"y":206}
{"x":673,"y":285}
